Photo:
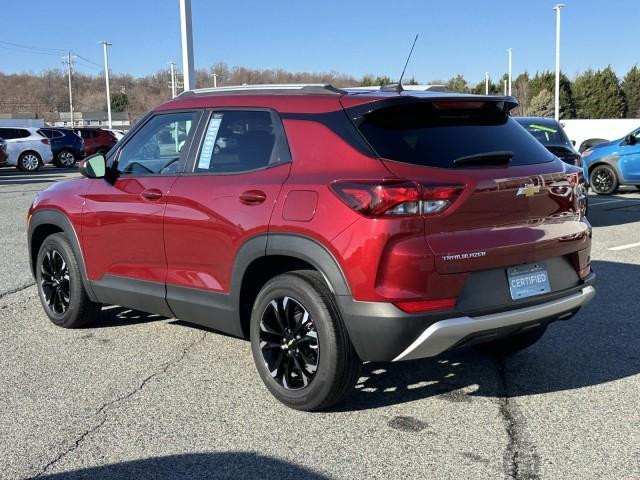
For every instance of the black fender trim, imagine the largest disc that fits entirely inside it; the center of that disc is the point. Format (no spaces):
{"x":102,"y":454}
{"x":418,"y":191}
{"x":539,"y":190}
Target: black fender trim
{"x":612,"y":162}
{"x":313,"y":252}
{"x":58,"y":219}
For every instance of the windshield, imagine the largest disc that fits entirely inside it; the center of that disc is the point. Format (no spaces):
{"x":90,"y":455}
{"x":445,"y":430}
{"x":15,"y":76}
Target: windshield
{"x":436,"y":134}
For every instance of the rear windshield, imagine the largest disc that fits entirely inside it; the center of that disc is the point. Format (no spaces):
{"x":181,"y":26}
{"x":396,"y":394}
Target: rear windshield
{"x":434,"y":135}
{"x":545,"y":132}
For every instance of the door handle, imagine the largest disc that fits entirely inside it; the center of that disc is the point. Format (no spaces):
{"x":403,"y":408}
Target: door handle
{"x":253,"y":197}
{"x":152,"y":194}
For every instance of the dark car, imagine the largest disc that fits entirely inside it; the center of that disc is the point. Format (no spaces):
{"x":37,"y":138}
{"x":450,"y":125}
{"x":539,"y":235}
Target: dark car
{"x":327,"y":226}
{"x":551,"y":134}
{"x":3,"y":153}
{"x":96,"y":140}
{"x":67,"y":147}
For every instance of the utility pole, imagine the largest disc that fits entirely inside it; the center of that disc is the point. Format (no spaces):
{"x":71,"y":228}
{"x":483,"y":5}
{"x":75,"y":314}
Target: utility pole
{"x":510,"y":50}
{"x":215,"y":80}
{"x":68,"y":60}
{"x":106,"y":44}
{"x":187,"y":45}
{"x":486,"y":83}
{"x":557,"y":8}
{"x":172,"y":65}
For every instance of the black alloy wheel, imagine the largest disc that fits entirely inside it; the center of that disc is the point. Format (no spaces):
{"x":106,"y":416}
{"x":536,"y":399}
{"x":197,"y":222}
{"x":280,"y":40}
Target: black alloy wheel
{"x":55,"y":282}
{"x":289,"y":343}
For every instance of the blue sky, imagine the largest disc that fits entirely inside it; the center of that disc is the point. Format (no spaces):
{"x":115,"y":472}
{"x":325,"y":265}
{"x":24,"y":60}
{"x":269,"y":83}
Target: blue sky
{"x":464,"y":36}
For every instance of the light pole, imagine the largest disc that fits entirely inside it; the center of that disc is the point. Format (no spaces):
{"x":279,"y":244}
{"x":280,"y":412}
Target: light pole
{"x":215,"y":79}
{"x":510,"y":50}
{"x":106,"y":44}
{"x":173,"y":79}
{"x":486,"y":83}
{"x":557,"y":8}
{"x":68,"y":60}
{"x":187,"y":45}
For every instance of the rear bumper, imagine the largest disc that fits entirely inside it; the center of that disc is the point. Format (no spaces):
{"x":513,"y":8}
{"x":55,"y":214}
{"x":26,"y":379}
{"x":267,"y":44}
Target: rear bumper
{"x":381,"y":332}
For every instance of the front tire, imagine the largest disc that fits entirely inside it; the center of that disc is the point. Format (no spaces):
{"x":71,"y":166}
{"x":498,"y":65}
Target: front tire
{"x":299,"y":342}
{"x":29,"y":162}
{"x":60,"y":287}
{"x":603,"y":180}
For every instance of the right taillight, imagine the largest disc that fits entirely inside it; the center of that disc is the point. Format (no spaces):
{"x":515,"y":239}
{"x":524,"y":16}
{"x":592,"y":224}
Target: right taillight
{"x":384,"y":198}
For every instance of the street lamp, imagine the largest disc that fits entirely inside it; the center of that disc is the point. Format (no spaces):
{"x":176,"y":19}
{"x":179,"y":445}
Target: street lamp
{"x":486,"y":83}
{"x":187,"y":45}
{"x":557,"y":8}
{"x":106,"y":44}
{"x":510,"y":50}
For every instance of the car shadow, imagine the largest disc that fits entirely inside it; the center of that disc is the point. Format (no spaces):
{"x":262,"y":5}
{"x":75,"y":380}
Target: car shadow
{"x":619,"y":209}
{"x":227,"y":465}
{"x":597,"y":346}
{"x":115,"y":316}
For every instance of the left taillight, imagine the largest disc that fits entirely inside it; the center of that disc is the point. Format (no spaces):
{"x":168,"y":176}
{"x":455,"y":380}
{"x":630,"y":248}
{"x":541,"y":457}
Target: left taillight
{"x":383,"y":198}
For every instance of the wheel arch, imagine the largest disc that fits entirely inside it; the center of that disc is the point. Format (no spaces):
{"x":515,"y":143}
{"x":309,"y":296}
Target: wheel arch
{"x":46,"y":222}
{"x":266,"y":256}
{"x":609,"y":161}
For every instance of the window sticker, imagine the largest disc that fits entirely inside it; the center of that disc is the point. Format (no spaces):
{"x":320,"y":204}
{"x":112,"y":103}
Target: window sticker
{"x":209,"y":142}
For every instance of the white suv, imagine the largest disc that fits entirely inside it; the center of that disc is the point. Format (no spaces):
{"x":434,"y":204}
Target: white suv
{"x":26,"y":148}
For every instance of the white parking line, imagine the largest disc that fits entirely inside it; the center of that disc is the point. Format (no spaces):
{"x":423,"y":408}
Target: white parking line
{"x":624,"y":247}
{"x":595,"y":204}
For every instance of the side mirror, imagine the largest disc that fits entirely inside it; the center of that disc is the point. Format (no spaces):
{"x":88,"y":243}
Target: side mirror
{"x":94,"y":166}
{"x":630,"y":139}
{"x":573,"y":142}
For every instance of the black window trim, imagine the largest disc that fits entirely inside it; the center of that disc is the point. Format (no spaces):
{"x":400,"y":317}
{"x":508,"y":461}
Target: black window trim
{"x":112,"y":159}
{"x":280,"y":142}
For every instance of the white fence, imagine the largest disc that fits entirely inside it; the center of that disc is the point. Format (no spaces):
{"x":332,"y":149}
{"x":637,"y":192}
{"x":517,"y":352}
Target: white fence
{"x":606,"y":129}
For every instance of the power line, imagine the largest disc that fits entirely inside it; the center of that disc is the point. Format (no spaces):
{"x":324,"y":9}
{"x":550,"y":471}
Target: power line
{"x":49,"y":50}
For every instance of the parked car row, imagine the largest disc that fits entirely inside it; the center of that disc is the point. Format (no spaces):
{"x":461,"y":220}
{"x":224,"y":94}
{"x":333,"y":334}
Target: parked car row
{"x":28,"y":148}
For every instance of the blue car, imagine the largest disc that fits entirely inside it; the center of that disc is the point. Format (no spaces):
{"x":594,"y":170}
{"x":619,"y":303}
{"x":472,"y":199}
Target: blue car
{"x":608,"y":165}
{"x":67,"y":147}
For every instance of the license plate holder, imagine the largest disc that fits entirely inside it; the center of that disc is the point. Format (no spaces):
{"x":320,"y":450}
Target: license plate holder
{"x":528,"y":280}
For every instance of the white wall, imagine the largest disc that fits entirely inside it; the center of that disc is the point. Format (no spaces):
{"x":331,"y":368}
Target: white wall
{"x":608,"y":129}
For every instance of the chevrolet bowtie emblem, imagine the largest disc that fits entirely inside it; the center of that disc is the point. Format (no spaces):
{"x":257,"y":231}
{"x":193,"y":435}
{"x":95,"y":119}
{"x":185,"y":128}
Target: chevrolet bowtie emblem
{"x":529,"y":190}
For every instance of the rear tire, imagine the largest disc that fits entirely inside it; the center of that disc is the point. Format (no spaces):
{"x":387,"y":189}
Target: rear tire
{"x":603,"y":180}
{"x":299,"y":342}
{"x":60,"y":287}
{"x":65,"y":159}
{"x":29,"y":162}
{"x":514,"y":343}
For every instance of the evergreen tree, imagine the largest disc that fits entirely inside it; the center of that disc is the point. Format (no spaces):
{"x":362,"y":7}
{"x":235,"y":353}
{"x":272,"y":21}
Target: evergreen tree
{"x":521,"y":91}
{"x":599,"y":95}
{"x":631,"y":89}
{"x":119,"y":102}
{"x":458,"y":84}
{"x":547,"y":81}
{"x":542,"y":105}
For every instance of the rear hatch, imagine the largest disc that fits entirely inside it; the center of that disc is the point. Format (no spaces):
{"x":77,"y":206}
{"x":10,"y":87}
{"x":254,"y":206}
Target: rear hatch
{"x":493,"y":195}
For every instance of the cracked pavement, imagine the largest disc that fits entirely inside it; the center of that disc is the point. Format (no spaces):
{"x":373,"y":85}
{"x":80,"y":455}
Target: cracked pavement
{"x":140,"y":396}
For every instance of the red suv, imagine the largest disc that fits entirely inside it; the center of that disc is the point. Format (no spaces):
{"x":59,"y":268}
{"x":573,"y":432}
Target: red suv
{"x":330,"y":227}
{"x":96,"y":140}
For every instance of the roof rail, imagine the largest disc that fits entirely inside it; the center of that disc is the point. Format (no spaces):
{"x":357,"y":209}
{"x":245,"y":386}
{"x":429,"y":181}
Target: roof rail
{"x":322,"y":88}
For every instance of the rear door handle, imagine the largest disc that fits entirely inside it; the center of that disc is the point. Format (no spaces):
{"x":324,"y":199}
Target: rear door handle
{"x":152,"y":194}
{"x":253,"y":197}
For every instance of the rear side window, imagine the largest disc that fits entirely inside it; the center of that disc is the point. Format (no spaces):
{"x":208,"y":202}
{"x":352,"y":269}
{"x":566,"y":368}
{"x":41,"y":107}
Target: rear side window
{"x":435,"y":134}
{"x":20,"y":133}
{"x":7,"y":133}
{"x":240,"y":141}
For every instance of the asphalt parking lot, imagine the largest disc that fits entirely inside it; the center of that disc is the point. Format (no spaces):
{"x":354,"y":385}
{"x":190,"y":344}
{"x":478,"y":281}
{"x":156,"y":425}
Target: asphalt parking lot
{"x":140,"y":396}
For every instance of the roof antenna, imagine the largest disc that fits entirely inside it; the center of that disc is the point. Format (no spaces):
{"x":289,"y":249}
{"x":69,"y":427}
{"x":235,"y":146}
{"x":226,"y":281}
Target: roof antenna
{"x":397,"y":87}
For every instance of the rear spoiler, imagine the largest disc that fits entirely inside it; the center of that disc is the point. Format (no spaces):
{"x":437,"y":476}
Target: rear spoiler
{"x":359,"y":106}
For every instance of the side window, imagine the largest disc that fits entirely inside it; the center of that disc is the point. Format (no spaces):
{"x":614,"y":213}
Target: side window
{"x":239,"y":141}
{"x":20,"y":133}
{"x":7,"y":133}
{"x":157,"y":147}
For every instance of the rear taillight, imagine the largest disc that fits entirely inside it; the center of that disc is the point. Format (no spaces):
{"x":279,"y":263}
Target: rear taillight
{"x":45,"y":141}
{"x":577,"y":161}
{"x":375,"y":198}
{"x":426,"y":305}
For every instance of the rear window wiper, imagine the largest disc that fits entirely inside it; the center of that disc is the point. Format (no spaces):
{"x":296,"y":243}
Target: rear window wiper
{"x":486,"y":158}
